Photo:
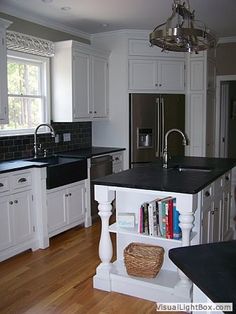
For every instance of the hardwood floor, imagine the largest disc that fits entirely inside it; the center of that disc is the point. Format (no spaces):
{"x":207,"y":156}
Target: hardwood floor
{"x":59,"y":280}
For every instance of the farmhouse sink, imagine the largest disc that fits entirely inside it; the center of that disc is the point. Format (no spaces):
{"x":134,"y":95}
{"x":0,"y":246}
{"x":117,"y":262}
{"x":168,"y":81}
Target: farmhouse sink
{"x":63,"y":170}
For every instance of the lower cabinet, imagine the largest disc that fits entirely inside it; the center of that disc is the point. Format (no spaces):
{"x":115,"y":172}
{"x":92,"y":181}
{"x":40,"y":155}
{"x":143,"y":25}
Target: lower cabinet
{"x":16,"y":214}
{"x":66,"y":207}
{"x":215,"y":220}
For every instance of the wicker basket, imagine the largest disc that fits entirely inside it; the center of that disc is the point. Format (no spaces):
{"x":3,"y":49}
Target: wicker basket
{"x":143,"y":260}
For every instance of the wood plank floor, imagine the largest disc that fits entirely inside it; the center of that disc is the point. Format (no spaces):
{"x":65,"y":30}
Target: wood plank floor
{"x":59,"y":280}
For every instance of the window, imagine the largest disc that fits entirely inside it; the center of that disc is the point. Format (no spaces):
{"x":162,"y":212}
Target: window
{"x":28,"y":92}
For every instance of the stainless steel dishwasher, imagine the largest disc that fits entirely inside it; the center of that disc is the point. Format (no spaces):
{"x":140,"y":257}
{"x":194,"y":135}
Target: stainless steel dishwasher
{"x":100,"y":167}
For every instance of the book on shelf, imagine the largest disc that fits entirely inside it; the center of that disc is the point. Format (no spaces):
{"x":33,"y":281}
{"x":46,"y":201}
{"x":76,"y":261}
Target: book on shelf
{"x":177,"y":234}
{"x":160,"y":217}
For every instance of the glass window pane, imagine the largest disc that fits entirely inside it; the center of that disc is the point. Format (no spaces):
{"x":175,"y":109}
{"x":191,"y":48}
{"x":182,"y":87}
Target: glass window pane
{"x":23,"y":78}
{"x":24,"y":113}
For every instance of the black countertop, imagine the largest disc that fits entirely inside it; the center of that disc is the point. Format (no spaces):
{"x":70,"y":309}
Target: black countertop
{"x":91,"y":152}
{"x":211,"y":267}
{"x":14,"y":165}
{"x":154,"y":177}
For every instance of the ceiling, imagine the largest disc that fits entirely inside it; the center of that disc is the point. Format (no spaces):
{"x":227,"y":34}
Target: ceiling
{"x":93,"y":16}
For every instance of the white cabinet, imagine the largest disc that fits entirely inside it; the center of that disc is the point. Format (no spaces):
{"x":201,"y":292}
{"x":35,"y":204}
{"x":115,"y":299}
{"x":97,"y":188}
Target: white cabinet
{"x":16,"y":217}
{"x":66,"y":207}
{"x":200,"y":102}
{"x":80,"y":82}
{"x":117,"y":162}
{"x":80,"y":86}
{"x":99,"y":86}
{"x":215,"y":214}
{"x":156,"y":75}
{"x":3,"y":72}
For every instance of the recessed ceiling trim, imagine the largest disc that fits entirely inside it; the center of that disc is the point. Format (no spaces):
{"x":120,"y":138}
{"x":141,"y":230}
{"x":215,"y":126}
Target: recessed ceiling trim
{"x":57,"y":26}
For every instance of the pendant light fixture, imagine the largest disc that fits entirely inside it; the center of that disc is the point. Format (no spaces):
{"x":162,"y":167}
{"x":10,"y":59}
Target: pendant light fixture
{"x":181,"y":32}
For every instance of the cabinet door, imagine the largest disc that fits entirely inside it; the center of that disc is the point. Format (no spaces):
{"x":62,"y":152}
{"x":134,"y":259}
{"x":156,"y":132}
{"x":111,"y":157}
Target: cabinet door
{"x":143,"y":74}
{"x":6,"y":239}
{"x":81,"y":83}
{"x":99,"y":87}
{"x":22,"y":216}
{"x":56,"y":204}
{"x":206,"y":225}
{"x":216,"y":221}
{"x":3,"y":79}
{"x":171,"y":75}
{"x":75,"y":201}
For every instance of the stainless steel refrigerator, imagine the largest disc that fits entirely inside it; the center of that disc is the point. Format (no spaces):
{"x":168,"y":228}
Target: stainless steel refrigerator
{"x":151,"y":116}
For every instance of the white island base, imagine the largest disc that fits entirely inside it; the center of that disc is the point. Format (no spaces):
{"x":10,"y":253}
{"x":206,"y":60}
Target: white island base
{"x":170,"y":285}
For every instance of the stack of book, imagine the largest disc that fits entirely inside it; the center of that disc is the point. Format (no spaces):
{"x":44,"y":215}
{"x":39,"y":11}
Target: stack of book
{"x":160,"y":218}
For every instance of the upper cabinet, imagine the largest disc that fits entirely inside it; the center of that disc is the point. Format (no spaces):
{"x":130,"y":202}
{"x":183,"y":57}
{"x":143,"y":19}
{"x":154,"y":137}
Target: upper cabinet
{"x":151,"y":70}
{"x":3,"y":72}
{"x":156,"y":75}
{"x":80,"y":82}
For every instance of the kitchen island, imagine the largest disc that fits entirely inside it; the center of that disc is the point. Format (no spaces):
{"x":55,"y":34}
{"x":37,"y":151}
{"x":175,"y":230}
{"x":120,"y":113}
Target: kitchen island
{"x":202,"y":189}
{"x":213,"y":282}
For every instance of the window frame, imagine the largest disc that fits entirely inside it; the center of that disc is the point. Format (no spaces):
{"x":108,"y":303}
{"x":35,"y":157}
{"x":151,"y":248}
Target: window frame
{"x":44,"y":63}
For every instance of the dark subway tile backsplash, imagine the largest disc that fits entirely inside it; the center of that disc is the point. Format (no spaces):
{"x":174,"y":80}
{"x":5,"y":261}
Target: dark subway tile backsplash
{"x":21,"y":146}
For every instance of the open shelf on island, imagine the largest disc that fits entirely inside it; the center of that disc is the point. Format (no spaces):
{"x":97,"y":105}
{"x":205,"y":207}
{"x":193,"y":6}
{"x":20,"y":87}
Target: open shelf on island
{"x":114,"y":228}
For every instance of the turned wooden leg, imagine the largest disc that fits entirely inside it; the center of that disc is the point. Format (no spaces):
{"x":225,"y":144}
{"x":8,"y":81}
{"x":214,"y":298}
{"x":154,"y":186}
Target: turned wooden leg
{"x":186,"y":223}
{"x":104,"y":197}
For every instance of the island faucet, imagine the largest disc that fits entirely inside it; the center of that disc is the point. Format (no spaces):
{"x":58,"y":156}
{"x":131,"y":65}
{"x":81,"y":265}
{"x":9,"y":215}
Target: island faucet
{"x":36,"y":148}
{"x":165,"y":151}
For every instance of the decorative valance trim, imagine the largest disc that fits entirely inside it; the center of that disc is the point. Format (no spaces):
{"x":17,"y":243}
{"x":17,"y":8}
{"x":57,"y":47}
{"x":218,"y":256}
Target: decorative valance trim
{"x":30,"y":44}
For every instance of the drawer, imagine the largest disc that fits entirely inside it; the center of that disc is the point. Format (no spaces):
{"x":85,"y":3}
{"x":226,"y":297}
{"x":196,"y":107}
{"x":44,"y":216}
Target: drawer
{"x":4,"y":184}
{"x":21,"y":180}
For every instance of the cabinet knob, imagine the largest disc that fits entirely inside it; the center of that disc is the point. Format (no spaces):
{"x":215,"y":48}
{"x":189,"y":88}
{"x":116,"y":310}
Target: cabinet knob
{"x":160,"y":84}
{"x":227,"y":178}
{"x":66,"y":195}
{"x":69,"y":194}
{"x":207,"y":193}
{"x":1,"y":185}
{"x":10,"y":202}
{"x":95,"y":111}
{"x":15,"y":201}
{"x":90,"y":111}
{"x":156,"y":84}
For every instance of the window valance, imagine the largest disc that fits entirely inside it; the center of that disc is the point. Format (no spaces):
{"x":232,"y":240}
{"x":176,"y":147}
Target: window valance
{"x":29,"y":44}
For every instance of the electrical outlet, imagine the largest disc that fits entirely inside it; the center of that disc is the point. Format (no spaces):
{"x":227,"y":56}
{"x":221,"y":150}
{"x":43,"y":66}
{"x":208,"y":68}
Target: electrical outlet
{"x":66,"y":137}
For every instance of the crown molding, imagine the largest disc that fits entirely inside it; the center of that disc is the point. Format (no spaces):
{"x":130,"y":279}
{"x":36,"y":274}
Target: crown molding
{"x":56,"y":26}
{"x":225,"y":40}
{"x":130,"y":32}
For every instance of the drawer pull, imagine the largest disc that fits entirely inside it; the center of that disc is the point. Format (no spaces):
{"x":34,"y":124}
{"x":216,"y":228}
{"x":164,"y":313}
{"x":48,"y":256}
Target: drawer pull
{"x":207,"y":193}
{"x":1,"y":184}
{"x":21,"y":180}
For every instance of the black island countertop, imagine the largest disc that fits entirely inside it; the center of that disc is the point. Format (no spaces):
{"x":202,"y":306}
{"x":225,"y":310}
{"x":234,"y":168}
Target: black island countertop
{"x":21,"y":164}
{"x":211,"y":267}
{"x":155,"y":177}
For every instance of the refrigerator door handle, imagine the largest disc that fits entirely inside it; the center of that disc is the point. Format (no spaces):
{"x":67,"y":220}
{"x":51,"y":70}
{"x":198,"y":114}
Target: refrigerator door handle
{"x":162,"y":124}
{"x":158,"y":127}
